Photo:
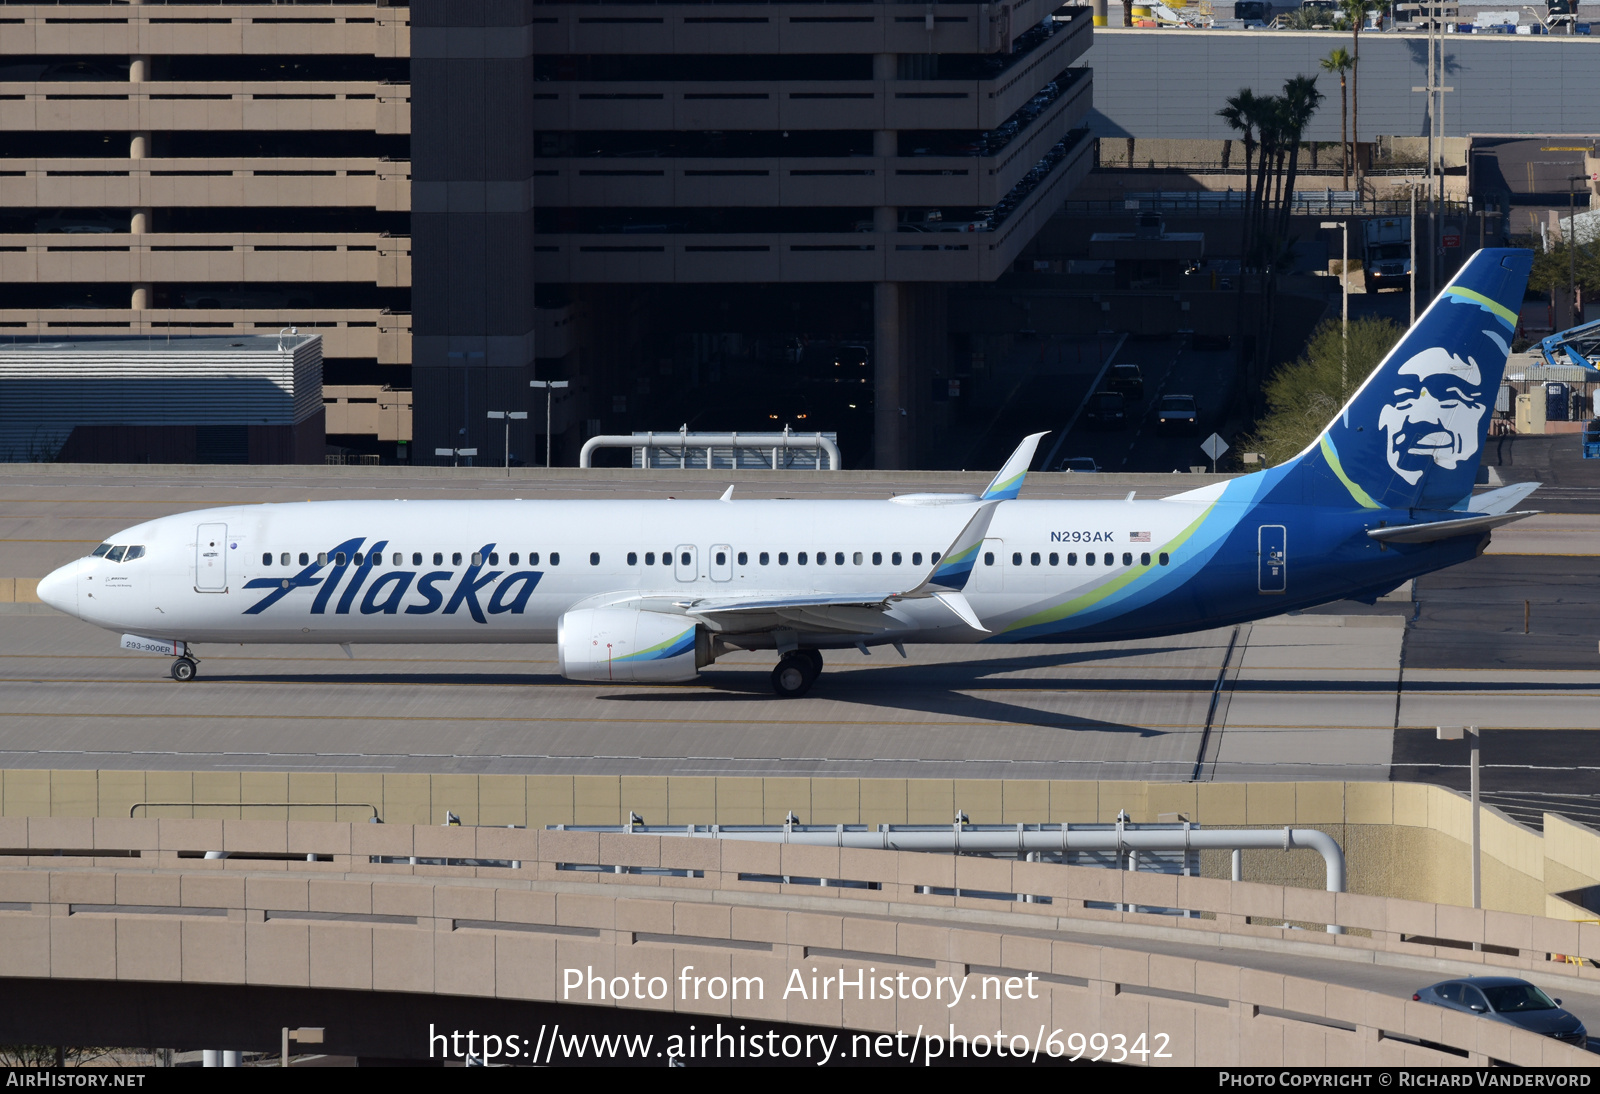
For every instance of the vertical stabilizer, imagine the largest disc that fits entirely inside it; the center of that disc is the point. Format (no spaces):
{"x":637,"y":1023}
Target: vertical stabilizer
{"x":1411,"y":436}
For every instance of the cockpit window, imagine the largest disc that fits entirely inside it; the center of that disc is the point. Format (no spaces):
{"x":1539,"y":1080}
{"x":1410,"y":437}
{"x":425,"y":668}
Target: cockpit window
{"x":133,"y":553}
{"x":100,"y":551}
{"x":115,"y":554}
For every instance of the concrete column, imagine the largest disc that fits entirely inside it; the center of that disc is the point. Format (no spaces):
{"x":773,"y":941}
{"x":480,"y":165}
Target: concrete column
{"x":139,"y":223}
{"x":138,"y":68}
{"x":885,"y":146}
{"x":888,"y":420}
{"x":139,"y":145}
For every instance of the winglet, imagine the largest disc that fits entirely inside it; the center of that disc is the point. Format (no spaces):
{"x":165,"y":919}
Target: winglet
{"x":1007,"y":482}
{"x":727,"y":495}
{"x":957,"y":603}
{"x":954,"y":567}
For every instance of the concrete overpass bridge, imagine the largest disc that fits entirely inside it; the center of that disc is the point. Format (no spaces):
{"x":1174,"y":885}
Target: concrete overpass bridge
{"x":395,"y":938}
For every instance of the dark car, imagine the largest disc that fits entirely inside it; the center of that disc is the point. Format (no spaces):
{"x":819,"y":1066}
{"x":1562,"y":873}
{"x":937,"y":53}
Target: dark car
{"x":1078,"y":463}
{"x":1177,"y":414}
{"x":1107,"y":410}
{"x":1511,"y":1001}
{"x":1128,"y":380}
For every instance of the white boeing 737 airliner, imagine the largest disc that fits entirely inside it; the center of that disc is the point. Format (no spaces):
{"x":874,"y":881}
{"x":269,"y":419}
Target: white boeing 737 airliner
{"x":656,"y":590}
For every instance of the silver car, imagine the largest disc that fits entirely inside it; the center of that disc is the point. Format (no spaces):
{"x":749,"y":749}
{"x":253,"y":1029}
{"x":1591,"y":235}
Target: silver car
{"x":1509,"y":1000}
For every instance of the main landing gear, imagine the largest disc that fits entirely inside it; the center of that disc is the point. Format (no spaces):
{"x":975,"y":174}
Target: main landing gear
{"x":797,"y":670}
{"x":184,"y":668}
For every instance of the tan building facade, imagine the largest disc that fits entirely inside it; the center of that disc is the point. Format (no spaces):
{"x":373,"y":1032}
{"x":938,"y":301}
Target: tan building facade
{"x":209,"y":169}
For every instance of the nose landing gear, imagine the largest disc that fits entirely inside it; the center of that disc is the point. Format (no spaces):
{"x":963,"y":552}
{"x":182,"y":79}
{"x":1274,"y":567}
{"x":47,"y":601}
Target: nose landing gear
{"x":796,"y":672}
{"x":183,"y":669}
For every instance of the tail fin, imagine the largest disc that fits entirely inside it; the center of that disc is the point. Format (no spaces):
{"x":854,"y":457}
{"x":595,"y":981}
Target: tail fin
{"x":1410,"y":436}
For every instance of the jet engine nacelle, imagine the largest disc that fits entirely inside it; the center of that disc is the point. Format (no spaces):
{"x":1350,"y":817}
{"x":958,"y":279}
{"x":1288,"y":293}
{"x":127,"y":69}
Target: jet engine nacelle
{"x":621,"y":644}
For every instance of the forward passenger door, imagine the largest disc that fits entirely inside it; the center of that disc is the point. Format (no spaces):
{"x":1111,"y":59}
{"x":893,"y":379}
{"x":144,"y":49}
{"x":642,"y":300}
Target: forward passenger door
{"x":211,"y":558}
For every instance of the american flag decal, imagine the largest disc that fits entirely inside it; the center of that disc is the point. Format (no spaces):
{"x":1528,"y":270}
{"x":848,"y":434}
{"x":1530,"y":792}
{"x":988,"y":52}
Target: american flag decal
{"x":1138,"y":537}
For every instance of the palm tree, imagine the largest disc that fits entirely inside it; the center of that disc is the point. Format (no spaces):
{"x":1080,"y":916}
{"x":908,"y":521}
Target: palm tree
{"x":1341,"y":62}
{"x":1355,"y":13}
{"x":1241,"y":112}
{"x":1300,"y":101}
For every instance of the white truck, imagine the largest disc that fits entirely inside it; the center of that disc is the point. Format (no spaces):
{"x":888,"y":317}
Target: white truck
{"x":1386,"y":253}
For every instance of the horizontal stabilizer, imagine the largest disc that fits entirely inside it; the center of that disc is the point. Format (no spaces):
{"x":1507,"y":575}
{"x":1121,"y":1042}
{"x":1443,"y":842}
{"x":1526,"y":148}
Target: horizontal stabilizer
{"x":1433,"y":531}
{"x":1503,"y":500}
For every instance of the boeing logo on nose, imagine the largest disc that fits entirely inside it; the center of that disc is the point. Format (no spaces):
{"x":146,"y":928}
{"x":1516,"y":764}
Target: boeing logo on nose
{"x":387,"y":594}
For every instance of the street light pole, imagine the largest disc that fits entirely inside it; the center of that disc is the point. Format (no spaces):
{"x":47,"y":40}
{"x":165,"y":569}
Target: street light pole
{"x":508,"y":415}
{"x":1344,"y":285}
{"x":1572,"y":246}
{"x":1455,"y":733}
{"x":549,"y":396}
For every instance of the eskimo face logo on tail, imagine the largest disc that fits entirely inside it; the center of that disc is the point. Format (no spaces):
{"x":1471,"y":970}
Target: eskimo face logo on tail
{"x":393,"y":590}
{"x":1434,"y":414}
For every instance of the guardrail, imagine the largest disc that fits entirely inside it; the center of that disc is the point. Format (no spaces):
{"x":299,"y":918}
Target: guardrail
{"x":434,"y":906}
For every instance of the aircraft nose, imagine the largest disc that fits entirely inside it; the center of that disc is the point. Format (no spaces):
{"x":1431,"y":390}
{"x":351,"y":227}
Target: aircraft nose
{"x":60,"y":589}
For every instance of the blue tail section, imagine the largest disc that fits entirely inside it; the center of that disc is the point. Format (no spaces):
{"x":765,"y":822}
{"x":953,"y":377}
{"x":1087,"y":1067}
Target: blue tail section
{"x":1410,"y":438}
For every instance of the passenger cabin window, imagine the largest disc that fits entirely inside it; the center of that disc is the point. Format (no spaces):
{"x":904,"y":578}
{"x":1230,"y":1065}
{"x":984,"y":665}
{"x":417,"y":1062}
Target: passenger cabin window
{"x":799,"y":559}
{"x":594,"y":558}
{"x":322,"y":558}
{"x":1163,"y":558}
{"x":513,"y":558}
{"x":266,"y":559}
{"x":783,"y":558}
{"x":894,"y":559}
{"x":1144,"y":559}
{"x":1088,"y":558}
{"x":649,"y":558}
{"x":1127,"y":558}
{"x":916,"y":558}
{"x":555,"y":558}
{"x":358,"y":558}
{"x":438,"y":558}
{"x":376,"y":558}
{"x":477,"y":558}
{"x":722,"y":558}
{"x":284,"y":558}
{"x":1110,"y":559}
{"x":633,"y":558}
{"x":935,"y":558}
{"x":838,"y":558}
{"x":988,"y":558}
{"x":416,"y":558}
{"x":1033,"y":559}
{"x":764,"y":558}
{"x":683,"y":559}
{"x":744,"y":558}
{"x":339,"y":558}
{"x":494,"y":558}
{"x":855,"y":559}
{"x":1055,"y":559}
{"x":877,"y":558}
{"x":822,"y":558}
{"x":455,"y":558}
{"x":399,"y":559}
{"x":1072,"y":558}
{"x":533,"y":558}
{"x":1016,"y":558}
{"x":305,"y":559}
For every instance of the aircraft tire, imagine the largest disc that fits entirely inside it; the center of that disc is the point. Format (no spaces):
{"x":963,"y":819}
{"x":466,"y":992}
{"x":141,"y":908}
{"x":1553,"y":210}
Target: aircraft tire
{"x":183,"y":670}
{"x":794,"y":676}
{"x":815,"y":656}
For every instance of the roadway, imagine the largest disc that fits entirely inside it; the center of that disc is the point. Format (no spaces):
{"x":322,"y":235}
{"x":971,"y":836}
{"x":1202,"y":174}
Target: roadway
{"x":1350,"y":691}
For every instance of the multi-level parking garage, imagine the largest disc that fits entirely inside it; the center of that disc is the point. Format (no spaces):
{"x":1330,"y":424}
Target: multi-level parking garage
{"x":209,"y":168}
{"x":673,"y":175}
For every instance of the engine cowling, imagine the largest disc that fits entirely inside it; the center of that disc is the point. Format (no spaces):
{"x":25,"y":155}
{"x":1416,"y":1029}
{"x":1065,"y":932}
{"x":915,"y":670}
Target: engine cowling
{"x":622,"y":644}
